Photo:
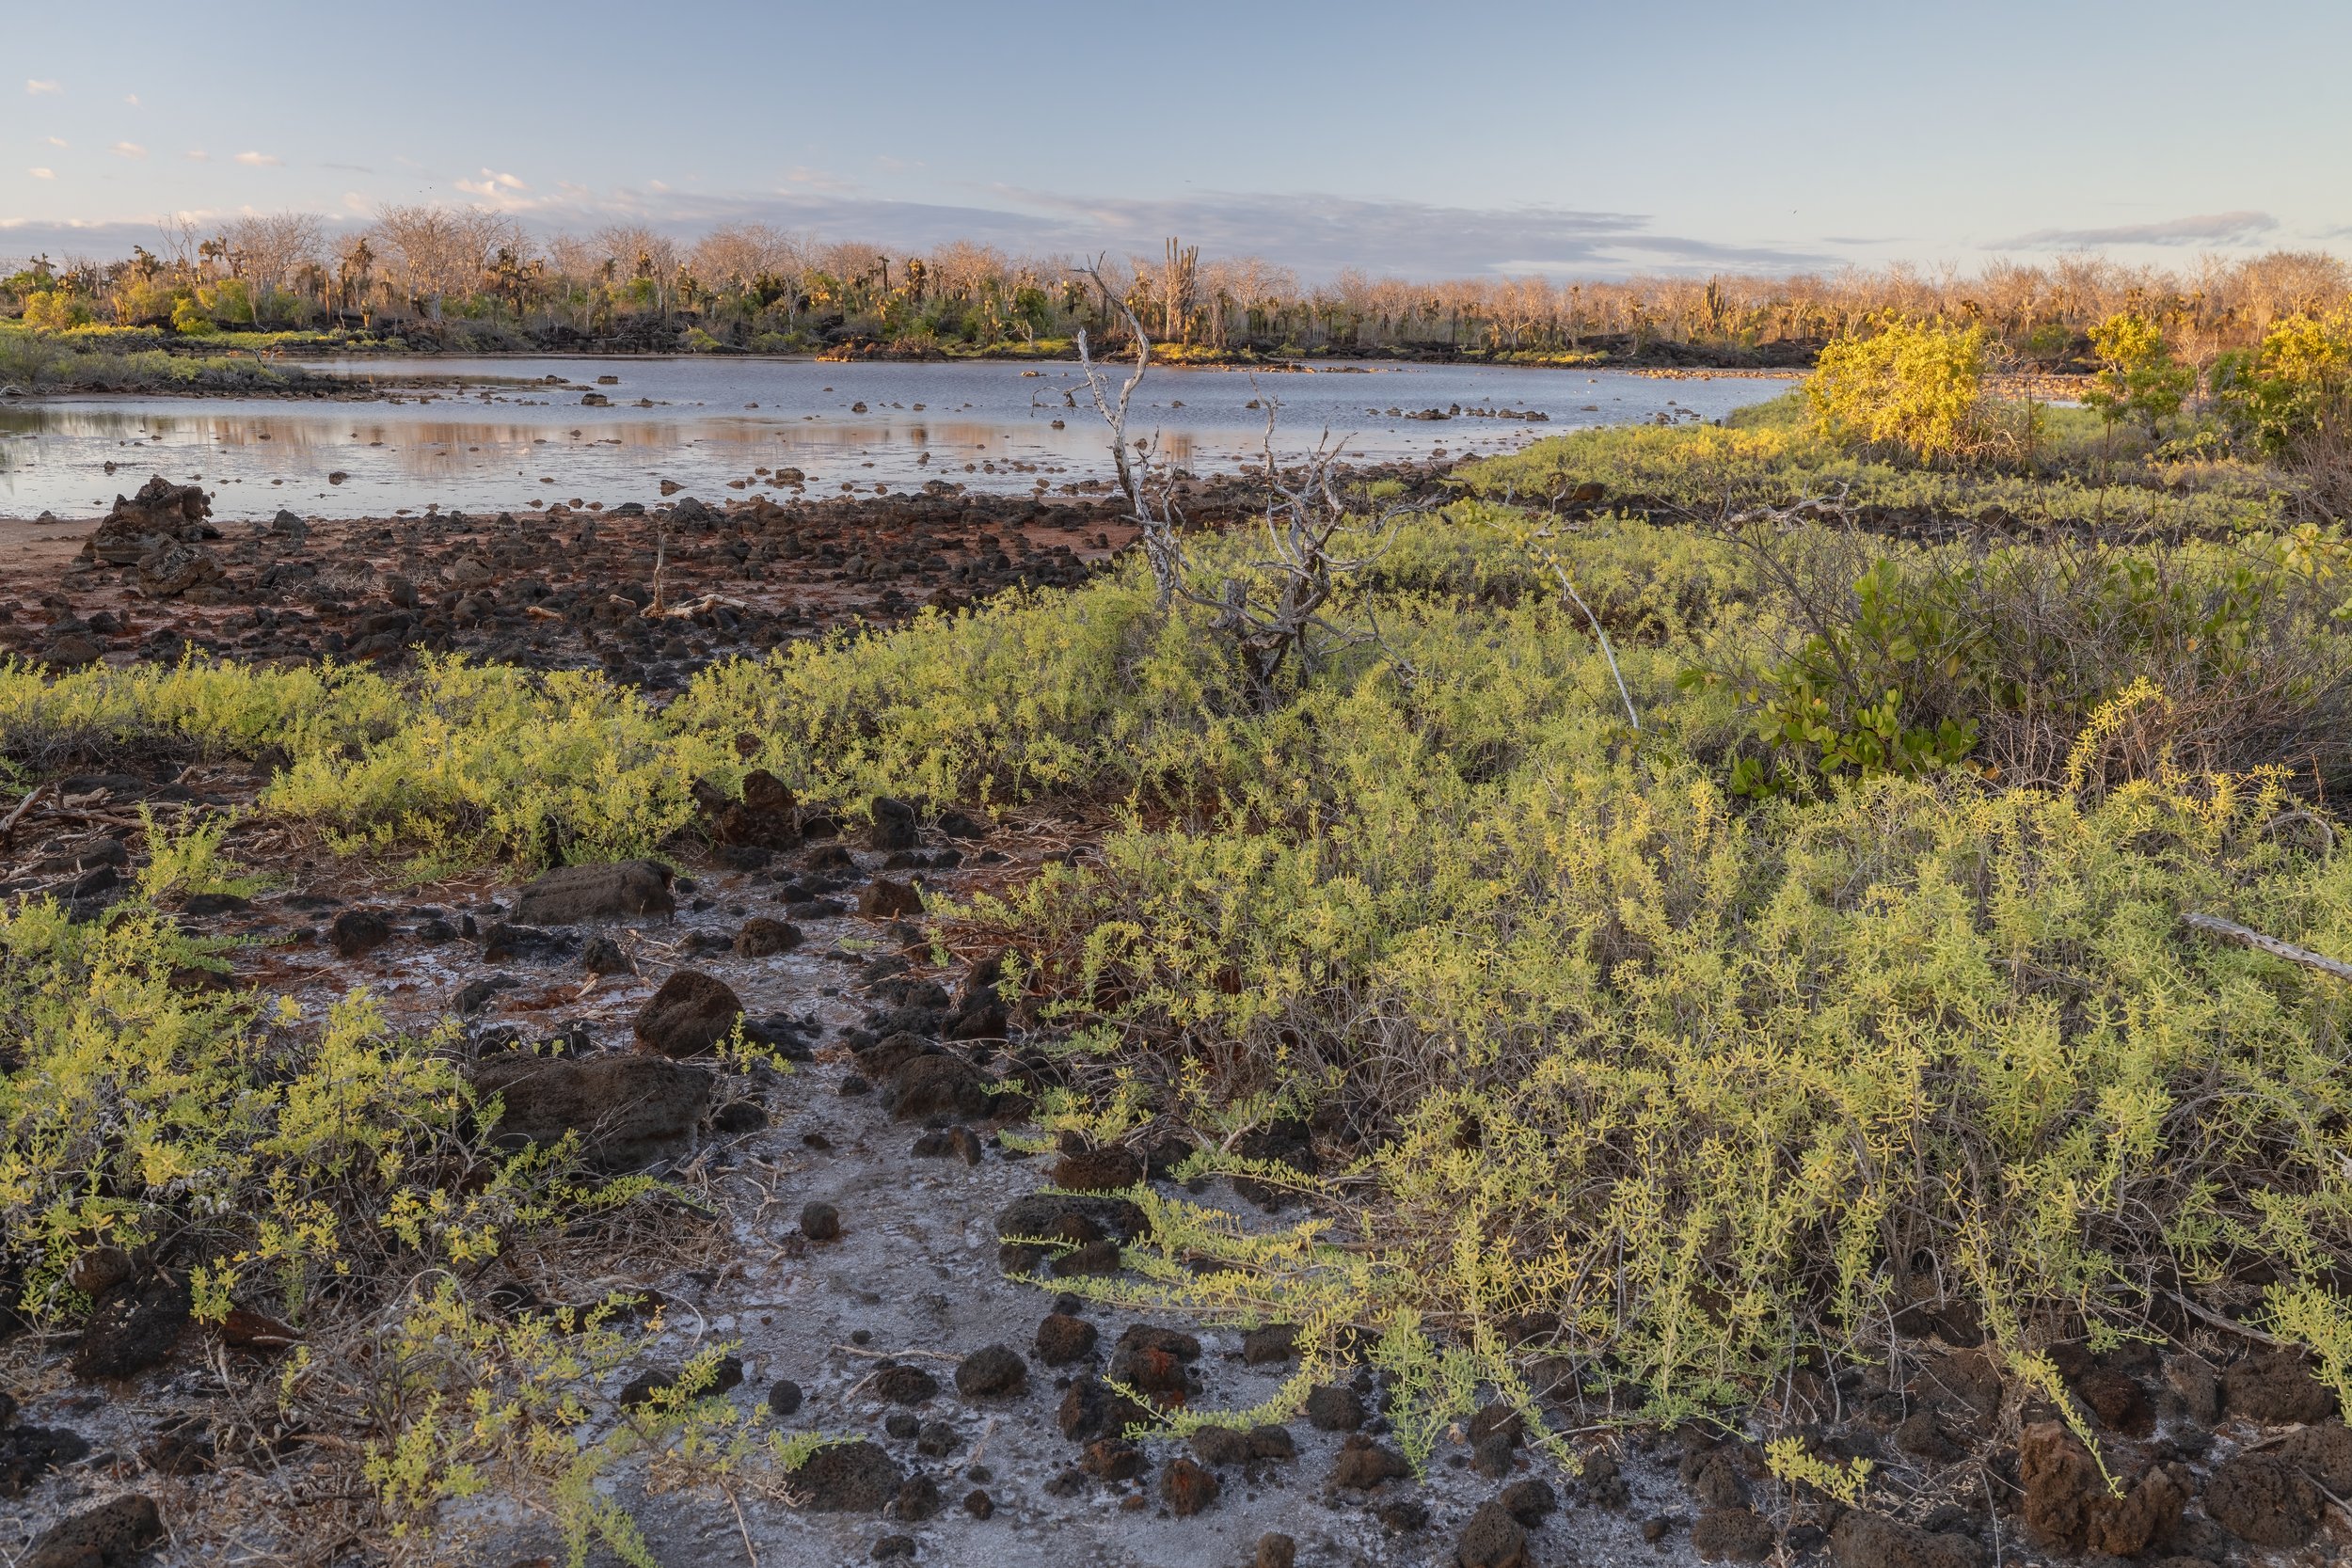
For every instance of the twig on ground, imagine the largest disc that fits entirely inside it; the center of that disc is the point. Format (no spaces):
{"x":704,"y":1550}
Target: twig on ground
{"x":749,"y":1550}
{"x":2230,"y":930}
{"x":2218,"y":1321}
{"x":8,"y":828}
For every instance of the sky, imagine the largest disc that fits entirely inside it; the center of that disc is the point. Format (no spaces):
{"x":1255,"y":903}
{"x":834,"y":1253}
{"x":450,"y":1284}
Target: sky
{"x":1567,"y":139}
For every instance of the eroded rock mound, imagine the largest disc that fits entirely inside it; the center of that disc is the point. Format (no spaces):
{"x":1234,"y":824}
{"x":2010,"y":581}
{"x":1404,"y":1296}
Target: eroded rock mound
{"x":2277,"y":1387}
{"x":2261,"y":1498}
{"x":625,"y":890}
{"x":767,"y":816}
{"x":689,"y":1014}
{"x":1874,"y":1541}
{"x":928,"y":1085}
{"x":160,"y":515}
{"x":134,"y":1326}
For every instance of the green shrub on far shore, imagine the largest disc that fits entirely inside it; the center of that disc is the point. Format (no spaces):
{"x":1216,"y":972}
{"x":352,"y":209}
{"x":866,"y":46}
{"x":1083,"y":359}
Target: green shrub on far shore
{"x":36,"y":361}
{"x":1913,"y":388}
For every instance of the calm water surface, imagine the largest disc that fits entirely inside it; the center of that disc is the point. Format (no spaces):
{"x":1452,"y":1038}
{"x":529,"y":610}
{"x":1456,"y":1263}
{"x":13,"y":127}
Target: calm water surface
{"x":505,"y":437}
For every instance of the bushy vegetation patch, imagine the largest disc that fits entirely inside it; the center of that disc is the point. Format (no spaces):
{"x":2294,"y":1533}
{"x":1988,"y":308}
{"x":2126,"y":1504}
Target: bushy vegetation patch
{"x":331,"y":1190}
{"x":1657,"y":1040}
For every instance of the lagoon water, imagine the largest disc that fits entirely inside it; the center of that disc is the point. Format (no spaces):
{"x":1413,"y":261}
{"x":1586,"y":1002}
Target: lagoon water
{"x":506,"y":433}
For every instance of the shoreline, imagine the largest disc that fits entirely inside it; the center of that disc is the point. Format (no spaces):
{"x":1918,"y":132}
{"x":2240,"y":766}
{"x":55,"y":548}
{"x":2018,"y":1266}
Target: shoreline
{"x":650,"y":595}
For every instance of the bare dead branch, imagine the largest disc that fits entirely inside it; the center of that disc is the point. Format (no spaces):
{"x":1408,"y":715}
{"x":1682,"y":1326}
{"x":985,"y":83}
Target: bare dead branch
{"x":1148,"y":487}
{"x":2230,"y":930}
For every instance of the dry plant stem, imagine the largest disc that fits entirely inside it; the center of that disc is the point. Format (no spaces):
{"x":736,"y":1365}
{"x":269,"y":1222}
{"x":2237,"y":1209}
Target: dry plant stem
{"x":1568,"y":587}
{"x":749,"y":1550}
{"x":1302,"y":519}
{"x":1601,"y":636}
{"x":2230,"y":930}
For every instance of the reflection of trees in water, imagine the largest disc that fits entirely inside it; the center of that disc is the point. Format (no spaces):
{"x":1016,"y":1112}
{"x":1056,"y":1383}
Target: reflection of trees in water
{"x":467,"y":454}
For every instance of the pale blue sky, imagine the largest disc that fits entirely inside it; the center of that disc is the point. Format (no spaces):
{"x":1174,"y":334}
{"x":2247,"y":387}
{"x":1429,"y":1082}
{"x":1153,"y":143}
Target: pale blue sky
{"x":1588,"y":139}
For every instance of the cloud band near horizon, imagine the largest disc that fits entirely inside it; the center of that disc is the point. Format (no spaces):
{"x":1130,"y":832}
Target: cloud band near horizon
{"x":1316,"y":234}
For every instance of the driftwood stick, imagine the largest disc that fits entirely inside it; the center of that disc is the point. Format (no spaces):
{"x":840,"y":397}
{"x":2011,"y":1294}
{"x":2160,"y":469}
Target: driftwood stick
{"x":2230,"y":930}
{"x":7,"y":828}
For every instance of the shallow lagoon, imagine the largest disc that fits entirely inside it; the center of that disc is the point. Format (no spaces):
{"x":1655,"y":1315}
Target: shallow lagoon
{"x":497,"y":433}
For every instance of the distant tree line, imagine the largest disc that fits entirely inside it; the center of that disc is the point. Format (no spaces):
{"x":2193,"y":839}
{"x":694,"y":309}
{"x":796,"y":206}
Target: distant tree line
{"x":465,"y":276}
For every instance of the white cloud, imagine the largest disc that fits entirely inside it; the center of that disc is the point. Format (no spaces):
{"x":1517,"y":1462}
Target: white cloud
{"x":2203,"y":228}
{"x":356,"y":202}
{"x":53,"y":141}
{"x":198,"y":155}
{"x":127,"y":150}
{"x":261,"y":160}
{"x":43,"y":90}
{"x":492,"y":184}
{"x":131,"y":98}
{"x":42,"y":173}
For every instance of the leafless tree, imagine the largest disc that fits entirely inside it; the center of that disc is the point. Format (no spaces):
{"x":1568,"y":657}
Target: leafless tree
{"x":1277,"y":618}
{"x":1273,"y":615}
{"x":271,"y":249}
{"x":432,"y":252}
{"x":637,"y":251}
{"x":1148,"y":483}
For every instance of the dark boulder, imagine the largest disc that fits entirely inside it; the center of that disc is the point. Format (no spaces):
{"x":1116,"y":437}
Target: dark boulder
{"x":1275,"y":1342}
{"x":28,"y":1453}
{"x":1187,"y":1487}
{"x":2261,"y":1500}
{"x":884,"y":899}
{"x":895,"y":826}
{"x":357,"y":932}
{"x":690,"y":1013}
{"x":2277,"y":1387}
{"x":1333,"y":1408}
{"x":845,"y":1478}
{"x":1733,"y":1535}
{"x":625,"y":890}
{"x":1090,"y":1408}
{"x":992,"y":1371}
{"x":764,"y":938}
{"x":161,"y":513}
{"x":765,"y":816}
{"x":1363,"y":1464}
{"x":1062,"y":1339}
{"x":1492,"y":1539}
{"x":1874,"y":1541}
{"x":905,"y":1383}
{"x":932,"y":1085}
{"x":135,"y":1325}
{"x":628,"y":1110}
{"x":1099,"y":1170}
{"x":1287,"y":1141}
{"x":115,"y":1534}
{"x":1072,"y":1218}
{"x":506,"y":943}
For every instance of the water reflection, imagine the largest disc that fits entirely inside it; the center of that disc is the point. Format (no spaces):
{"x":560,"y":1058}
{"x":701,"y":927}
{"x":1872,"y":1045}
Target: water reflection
{"x":712,"y":426}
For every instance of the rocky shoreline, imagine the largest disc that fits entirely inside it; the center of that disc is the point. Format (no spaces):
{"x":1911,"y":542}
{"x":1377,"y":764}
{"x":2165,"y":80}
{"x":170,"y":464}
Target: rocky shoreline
{"x":649,"y":596}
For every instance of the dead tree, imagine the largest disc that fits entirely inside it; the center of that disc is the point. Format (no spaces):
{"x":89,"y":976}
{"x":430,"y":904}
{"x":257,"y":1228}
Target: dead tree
{"x":1278,"y":618}
{"x":1148,"y":483}
{"x":1273,"y":617}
